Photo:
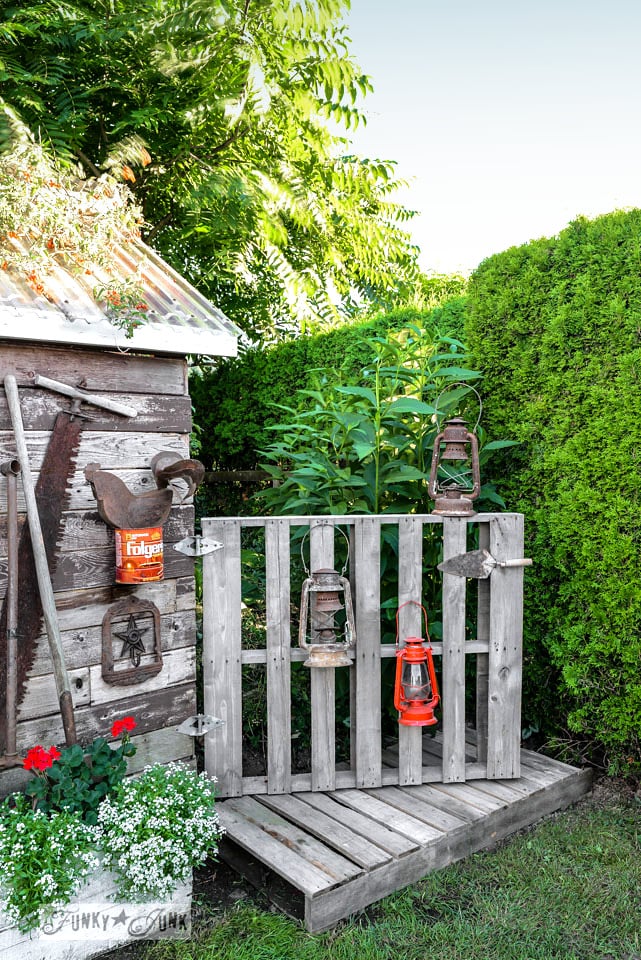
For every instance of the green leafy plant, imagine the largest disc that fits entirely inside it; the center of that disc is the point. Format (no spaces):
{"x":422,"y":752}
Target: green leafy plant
{"x":77,"y":780}
{"x":366,"y":447}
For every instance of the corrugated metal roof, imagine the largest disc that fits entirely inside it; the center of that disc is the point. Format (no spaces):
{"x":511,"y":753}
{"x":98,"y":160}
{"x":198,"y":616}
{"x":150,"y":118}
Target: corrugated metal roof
{"x":179,"y":319}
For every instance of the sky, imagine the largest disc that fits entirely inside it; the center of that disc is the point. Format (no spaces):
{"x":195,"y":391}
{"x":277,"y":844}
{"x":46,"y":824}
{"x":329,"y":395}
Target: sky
{"x":509,"y":119}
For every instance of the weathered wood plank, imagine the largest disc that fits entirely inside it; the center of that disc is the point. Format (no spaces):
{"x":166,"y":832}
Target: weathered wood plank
{"x":447,"y":803}
{"x":83,"y":647}
{"x":468,"y":793}
{"x":222,"y":674}
{"x":94,"y":370}
{"x":86,"y":531}
{"x":97,"y":568}
{"x":380,"y":834}
{"x":482,"y":660}
{"x":283,"y":861}
{"x":402,"y":800}
{"x":388,"y":815}
{"x":41,"y":697}
{"x":152,"y":711}
{"x":367,"y":560}
{"x":453,"y":662}
{"x":505,"y":655}
{"x":337,"y":867}
{"x":323,"y":679}
{"x":279,"y":714}
{"x":333,"y":833}
{"x":156,"y":414}
{"x":410,"y":623}
{"x":131,"y":450}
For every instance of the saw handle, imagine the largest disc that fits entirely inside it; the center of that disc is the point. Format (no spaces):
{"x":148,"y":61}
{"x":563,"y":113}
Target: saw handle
{"x":68,"y":391}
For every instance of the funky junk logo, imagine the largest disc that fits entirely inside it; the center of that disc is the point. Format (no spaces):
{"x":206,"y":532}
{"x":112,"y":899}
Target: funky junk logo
{"x":120,"y":922}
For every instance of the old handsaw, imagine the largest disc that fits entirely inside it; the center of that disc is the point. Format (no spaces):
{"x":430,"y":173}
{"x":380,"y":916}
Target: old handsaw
{"x":52,"y":492}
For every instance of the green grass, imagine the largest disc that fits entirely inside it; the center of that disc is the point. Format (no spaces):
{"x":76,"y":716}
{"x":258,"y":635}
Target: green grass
{"x":569,"y":888}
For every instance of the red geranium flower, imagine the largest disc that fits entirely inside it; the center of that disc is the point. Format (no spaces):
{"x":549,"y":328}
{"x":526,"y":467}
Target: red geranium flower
{"x":40,"y":759}
{"x":126,"y":725}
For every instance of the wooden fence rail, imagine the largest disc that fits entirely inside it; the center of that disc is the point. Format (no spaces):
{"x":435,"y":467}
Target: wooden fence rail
{"x":496,"y":644}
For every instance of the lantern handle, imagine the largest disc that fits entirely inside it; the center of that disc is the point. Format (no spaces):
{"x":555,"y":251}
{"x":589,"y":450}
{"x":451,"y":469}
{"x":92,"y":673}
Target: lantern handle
{"x":324,"y":523}
{"x":459,"y":383}
{"x":416,"y":603}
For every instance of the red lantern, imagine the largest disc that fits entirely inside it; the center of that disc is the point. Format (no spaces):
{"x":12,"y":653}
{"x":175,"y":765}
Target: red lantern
{"x":416,"y":693}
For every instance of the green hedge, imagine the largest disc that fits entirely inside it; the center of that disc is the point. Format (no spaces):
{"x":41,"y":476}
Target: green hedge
{"x":555,"y":326}
{"x":233,"y":402}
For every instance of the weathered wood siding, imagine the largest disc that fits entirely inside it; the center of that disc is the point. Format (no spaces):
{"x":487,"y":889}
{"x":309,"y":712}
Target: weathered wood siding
{"x":83,"y":578}
{"x":494,"y":645}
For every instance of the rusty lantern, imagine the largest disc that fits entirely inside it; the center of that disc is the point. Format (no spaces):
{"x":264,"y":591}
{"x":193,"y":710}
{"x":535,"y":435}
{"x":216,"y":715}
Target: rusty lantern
{"x":416,"y":693}
{"x":452,"y":492}
{"x":319,"y":633}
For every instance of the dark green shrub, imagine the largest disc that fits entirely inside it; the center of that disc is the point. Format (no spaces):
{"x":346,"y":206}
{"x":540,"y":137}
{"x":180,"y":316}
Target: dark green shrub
{"x":555,"y":326}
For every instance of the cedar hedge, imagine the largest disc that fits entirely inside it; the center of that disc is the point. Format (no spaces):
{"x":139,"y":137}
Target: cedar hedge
{"x":555,"y":325}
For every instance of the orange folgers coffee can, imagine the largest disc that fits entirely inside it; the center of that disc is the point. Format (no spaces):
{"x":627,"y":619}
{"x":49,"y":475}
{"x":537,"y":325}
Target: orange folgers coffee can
{"x":139,"y":555}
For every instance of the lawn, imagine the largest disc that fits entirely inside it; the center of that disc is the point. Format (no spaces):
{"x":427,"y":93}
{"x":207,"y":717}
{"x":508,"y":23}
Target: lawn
{"x":569,"y":888}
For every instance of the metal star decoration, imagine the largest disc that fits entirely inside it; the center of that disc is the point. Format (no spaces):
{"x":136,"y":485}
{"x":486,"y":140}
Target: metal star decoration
{"x":132,"y":645}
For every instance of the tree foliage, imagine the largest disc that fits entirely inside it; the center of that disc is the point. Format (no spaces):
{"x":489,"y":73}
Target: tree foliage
{"x":249,"y":192}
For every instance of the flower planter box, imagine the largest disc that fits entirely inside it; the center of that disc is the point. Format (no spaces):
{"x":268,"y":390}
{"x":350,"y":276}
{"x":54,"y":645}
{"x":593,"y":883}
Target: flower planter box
{"x":96,"y":921}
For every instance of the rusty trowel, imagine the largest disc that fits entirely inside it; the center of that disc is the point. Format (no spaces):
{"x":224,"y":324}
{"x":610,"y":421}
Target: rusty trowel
{"x":478,"y":564}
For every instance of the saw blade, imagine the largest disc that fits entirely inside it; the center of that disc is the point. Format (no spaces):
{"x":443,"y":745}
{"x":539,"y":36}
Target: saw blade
{"x":52,"y":496}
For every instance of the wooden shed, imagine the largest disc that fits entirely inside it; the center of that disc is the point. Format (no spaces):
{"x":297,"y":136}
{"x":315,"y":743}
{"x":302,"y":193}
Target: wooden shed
{"x":65,"y":336}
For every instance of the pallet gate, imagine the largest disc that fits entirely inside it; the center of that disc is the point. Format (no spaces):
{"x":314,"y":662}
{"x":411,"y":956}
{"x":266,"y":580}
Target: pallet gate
{"x":327,"y":842}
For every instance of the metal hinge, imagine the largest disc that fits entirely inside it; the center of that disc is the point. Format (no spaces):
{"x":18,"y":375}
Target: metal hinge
{"x":197,"y":546}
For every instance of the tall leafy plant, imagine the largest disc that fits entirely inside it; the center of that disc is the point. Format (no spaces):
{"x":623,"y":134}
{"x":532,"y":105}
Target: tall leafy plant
{"x":366,"y":447}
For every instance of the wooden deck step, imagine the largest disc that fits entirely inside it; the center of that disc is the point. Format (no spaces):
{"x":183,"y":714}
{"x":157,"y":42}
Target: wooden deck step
{"x":324,"y":856}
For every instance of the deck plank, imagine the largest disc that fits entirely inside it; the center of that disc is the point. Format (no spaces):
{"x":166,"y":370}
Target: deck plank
{"x":403,"y":800}
{"x":384,"y":813}
{"x":276,"y":855}
{"x":389,"y":840}
{"x":337,"y":868}
{"x":330,"y":831}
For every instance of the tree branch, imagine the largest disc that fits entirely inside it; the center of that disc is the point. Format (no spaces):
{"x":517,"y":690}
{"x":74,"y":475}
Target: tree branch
{"x":155,"y":230}
{"x":86,"y":162}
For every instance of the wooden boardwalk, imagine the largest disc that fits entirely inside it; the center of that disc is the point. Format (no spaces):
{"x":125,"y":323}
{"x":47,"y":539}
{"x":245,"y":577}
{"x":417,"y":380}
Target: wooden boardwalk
{"x":321,"y":856}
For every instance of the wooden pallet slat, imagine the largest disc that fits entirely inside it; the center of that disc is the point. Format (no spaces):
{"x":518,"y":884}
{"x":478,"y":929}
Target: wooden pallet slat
{"x":453,"y":663}
{"x":279,"y":714}
{"x":330,"y":831}
{"x":382,"y":812}
{"x":410,"y":624}
{"x":222,"y":687}
{"x":323,"y":679}
{"x":378,"y":833}
{"x":367,"y":559}
{"x":505,"y":653}
{"x":336,"y":867}
{"x":276,"y":855}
